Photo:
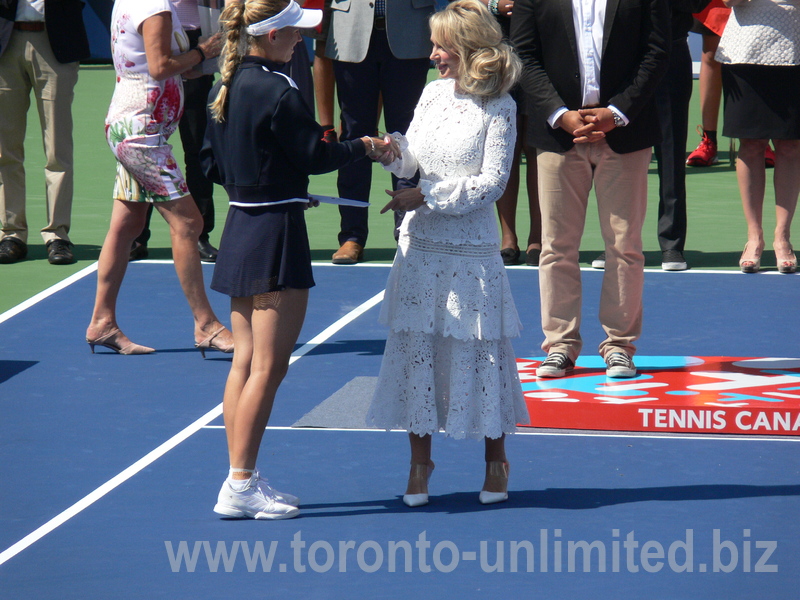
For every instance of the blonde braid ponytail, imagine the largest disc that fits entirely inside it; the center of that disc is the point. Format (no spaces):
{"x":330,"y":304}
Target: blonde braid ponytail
{"x":232,"y":21}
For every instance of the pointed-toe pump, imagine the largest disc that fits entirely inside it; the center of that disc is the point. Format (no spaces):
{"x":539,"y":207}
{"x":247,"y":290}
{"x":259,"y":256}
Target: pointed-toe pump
{"x":110,"y":341}
{"x":420,"y":475}
{"x":496,"y":479}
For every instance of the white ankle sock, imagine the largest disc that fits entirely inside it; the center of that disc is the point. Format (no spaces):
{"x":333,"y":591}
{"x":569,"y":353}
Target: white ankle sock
{"x":239,"y":485}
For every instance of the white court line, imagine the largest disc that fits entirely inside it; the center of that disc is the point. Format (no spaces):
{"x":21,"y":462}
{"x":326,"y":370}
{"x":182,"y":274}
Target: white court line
{"x":13,"y":312}
{"x":171,"y":443}
{"x":630,"y":434}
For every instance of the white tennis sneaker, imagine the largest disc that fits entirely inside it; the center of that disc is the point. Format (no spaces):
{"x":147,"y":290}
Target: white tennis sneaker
{"x":282,"y":497}
{"x":255,"y":502}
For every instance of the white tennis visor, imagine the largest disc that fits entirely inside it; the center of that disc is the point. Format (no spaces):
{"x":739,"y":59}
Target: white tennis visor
{"x":291,"y":16}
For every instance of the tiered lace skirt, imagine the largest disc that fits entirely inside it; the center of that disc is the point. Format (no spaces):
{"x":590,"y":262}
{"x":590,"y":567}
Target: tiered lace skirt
{"x":449,"y":363}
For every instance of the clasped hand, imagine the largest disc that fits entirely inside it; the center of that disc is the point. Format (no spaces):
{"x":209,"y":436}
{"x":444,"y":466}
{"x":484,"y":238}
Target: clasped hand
{"x":383,"y":150}
{"x":587,"y":125}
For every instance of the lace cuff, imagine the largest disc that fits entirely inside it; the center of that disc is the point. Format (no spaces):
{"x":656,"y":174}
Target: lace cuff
{"x":425,"y":186}
{"x":405,"y":166}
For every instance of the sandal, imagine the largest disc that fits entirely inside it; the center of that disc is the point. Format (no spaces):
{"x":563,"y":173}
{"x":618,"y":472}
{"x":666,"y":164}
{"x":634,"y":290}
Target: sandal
{"x":210,"y":344}
{"x":787,"y":265}
{"x":750,"y":266}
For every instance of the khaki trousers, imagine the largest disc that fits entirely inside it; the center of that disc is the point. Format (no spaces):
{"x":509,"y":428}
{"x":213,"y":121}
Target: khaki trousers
{"x":620,"y":182}
{"x":29,"y":64}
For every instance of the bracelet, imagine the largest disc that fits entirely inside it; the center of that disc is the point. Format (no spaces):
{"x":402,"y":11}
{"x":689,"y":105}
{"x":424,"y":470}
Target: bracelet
{"x":493,"y":8}
{"x":371,"y":143}
{"x":201,"y":53}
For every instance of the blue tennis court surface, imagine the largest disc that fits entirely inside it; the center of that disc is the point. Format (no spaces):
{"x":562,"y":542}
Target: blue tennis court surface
{"x":111,"y":465}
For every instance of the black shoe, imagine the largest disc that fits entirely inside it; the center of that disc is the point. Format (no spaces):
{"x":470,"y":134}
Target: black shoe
{"x":673,"y":260}
{"x":12,"y":250}
{"x":557,"y":364}
{"x":138,"y":252}
{"x":59,"y":253}
{"x":532,"y":257}
{"x":599,"y":262}
{"x":207,"y":252}
{"x":510,"y":256}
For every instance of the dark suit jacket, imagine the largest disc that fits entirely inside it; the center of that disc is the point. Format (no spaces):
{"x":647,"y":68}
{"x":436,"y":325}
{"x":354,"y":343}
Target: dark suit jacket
{"x":635,"y":57}
{"x":64,"y":23}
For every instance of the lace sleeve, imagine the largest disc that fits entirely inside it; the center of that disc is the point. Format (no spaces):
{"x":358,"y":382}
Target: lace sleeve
{"x":461,"y":195}
{"x":405,"y":166}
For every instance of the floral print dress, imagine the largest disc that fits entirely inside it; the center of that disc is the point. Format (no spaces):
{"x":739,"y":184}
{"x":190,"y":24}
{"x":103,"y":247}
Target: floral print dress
{"x":144,"y":112}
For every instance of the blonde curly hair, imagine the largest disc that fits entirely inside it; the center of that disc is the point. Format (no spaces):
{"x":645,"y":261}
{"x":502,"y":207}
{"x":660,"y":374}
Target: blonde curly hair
{"x":488,"y":66}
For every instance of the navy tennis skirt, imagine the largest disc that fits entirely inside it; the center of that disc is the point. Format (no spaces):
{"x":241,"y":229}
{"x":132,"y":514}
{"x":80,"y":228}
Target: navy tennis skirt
{"x":263,"y":249}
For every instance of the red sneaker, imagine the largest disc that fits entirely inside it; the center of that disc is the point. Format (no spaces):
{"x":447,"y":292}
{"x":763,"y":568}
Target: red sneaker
{"x":705,"y":154}
{"x":769,"y":157}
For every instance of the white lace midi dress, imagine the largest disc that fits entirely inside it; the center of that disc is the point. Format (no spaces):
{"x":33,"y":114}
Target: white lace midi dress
{"x":449,"y":363}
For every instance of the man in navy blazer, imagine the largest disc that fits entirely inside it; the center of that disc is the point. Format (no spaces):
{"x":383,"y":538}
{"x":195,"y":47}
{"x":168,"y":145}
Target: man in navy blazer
{"x":41,"y":43}
{"x":590,"y":70}
{"x":380,"y":51}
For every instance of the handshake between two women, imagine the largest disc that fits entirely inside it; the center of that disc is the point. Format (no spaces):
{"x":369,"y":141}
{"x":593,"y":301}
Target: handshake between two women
{"x":383,"y":149}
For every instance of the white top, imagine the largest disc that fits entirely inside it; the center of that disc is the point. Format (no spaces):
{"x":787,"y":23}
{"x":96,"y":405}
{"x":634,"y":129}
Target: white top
{"x":762,"y":32}
{"x":127,"y":43}
{"x":463,"y":147}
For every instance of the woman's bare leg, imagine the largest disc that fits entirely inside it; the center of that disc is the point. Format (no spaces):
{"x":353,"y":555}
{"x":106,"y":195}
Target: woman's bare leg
{"x":495,"y":451}
{"x":127,"y":220}
{"x":265,"y":330}
{"x":532,"y":183}
{"x":710,"y":83}
{"x":420,"y":455}
{"x":751,"y":175}
{"x":787,"y":189}
{"x":185,"y":225}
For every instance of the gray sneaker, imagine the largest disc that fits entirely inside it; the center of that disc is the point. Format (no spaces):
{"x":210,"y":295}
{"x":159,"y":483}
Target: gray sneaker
{"x":619,"y":365}
{"x":557,"y":364}
{"x":599,"y":262}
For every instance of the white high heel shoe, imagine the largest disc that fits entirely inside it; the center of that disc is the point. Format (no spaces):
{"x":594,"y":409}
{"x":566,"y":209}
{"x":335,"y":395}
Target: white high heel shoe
{"x":497,"y":478}
{"x":420,"y":473}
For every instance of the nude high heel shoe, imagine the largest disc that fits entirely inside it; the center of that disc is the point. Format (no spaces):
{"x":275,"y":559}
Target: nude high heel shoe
{"x":496,"y":478}
{"x":750,"y":266}
{"x":109,"y":340}
{"x":420,"y":475}
{"x":210,"y":344}
{"x":787,"y":265}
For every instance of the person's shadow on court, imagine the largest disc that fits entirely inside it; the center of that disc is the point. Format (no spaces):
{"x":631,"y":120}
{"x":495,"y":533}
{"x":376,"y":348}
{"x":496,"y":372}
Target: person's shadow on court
{"x":554,"y":498}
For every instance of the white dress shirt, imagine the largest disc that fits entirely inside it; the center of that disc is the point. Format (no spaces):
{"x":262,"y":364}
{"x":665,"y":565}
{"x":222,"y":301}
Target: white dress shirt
{"x":588,"y":19}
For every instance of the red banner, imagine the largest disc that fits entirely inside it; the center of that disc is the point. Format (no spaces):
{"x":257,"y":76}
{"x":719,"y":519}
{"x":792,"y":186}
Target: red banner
{"x":679,"y":394}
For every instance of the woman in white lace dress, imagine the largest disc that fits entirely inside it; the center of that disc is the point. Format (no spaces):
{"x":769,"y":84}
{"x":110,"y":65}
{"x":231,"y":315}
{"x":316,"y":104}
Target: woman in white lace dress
{"x":449,"y":363}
